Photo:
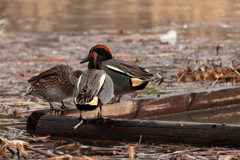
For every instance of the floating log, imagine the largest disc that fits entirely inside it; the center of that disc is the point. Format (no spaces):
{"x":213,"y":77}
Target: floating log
{"x":165,"y":104}
{"x":152,"y":131}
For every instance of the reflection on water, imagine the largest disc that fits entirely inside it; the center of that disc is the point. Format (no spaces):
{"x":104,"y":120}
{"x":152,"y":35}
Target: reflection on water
{"x":199,"y":18}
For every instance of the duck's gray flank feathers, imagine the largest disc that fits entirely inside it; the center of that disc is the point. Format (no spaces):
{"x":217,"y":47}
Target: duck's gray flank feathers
{"x":90,"y":85}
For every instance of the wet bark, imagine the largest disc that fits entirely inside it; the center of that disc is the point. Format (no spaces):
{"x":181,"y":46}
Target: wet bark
{"x":165,"y":104}
{"x":152,"y":131}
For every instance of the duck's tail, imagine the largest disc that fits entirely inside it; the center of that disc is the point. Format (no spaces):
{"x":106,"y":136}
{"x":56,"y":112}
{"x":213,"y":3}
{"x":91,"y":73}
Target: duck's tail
{"x":156,"y":79}
{"x":29,"y":91}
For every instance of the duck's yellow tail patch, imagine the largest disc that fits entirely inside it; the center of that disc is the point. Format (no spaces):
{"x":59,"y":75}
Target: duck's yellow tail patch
{"x":93,"y":102}
{"x":137,"y":82}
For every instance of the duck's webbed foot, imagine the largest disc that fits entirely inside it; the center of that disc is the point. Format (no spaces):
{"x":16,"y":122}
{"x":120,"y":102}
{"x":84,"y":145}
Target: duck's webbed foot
{"x":81,"y":119}
{"x":116,"y":99}
{"x":75,"y":127}
{"x":100,"y":116}
{"x":158,"y":79}
{"x":63,"y":107}
{"x":51,"y":106}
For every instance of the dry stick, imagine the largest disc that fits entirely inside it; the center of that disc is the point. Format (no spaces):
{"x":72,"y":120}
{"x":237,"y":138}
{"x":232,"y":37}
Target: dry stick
{"x":189,"y":60}
{"x":165,"y":54}
{"x":41,"y":59}
{"x":139,"y":142}
{"x":46,"y":153}
{"x":65,"y":156}
{"x":131,"y":152}
{"x":182,"y":152}
{"x":201,"y":157}
{"x":235,"y":70}
{"x":12,"y":150}
{"x":190,"y":156}
{"x":215,"y":82}
{"x":11,"y":51}
{"x":68,"y":145}
{"x":179,"y":79}
{"x":234,"y":73}
{"x":88,"y":158}
{"x":187,"y":151}
{"x":18,"y":154}
{"x":168,"y":145}
{"x":40,"y":101}
{"x":219,"y":55}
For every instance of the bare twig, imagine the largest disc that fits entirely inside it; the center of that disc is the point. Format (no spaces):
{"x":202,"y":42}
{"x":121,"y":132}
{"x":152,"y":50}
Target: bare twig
{"x":234,"y":73}
{"x":41,"y":59}
{"x":234,"y":70}
{"x":139,"y":142}
{"x":65,"y":156}
{"x":179,"y":79}
{"x":12,"y":150}
{"x":218,"y":48}
{"x":215,"y":82}
{"x":69,"y":145}
{"x":88,"y":158}
{"x":46,"y":153}
{"x":131,"y":152}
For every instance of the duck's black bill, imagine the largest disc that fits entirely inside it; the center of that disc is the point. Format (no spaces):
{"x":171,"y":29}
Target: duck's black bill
{"x":85,"y":60}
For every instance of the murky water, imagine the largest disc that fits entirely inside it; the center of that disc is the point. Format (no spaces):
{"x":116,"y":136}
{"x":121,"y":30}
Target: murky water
{"x":215,"y":19}
{"x":200,"y":26}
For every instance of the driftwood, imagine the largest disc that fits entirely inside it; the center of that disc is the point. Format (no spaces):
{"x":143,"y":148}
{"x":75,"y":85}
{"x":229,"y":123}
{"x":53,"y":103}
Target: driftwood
{"x":165,"y":104}
{"x":151,"y":131}
{"x":43,"y":122}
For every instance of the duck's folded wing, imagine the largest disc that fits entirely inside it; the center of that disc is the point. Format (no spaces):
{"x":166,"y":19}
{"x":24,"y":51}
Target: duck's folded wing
{"x":60,"y":70}
{"x":128,"y":69}
{"x":48,"y":73}
{"x":89,"y":85}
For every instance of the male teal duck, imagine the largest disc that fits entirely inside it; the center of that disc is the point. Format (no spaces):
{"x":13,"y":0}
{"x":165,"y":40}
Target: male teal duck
{"x":94,"y":88}
{"x":54,"y":84}
{"x":126,"y":76}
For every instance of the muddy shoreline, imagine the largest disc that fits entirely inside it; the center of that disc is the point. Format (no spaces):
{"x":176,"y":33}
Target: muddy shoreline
{"x":25,"y":55}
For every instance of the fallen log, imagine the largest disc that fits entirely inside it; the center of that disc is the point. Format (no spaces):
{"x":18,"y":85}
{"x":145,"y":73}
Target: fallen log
{"x":152,"y":131}
{"x":165,"y":104}
{"x":225,"y":114}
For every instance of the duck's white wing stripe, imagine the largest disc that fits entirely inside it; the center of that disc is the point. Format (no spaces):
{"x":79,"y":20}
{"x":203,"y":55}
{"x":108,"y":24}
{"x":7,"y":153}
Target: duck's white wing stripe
{"x":117,"y":69}
{"x":79,"y":80}
{"x":101,"y":82}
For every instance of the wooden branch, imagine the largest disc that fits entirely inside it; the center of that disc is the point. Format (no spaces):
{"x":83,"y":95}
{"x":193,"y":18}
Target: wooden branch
{"x":166,"y":104}
{"x":234,"y":70}
{"x":44,"y":152}
{"x":41,"y":59}
{"x":152,"y":131}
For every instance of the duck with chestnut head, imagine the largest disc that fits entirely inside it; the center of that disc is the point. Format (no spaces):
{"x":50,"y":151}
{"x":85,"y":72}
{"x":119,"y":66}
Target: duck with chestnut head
{"x":126,"y":76}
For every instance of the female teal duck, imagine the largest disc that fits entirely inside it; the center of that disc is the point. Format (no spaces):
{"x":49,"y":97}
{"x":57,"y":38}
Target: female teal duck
{"x":94,"y":87}
{"x":126,"y":76}
{"x":54,"y":84}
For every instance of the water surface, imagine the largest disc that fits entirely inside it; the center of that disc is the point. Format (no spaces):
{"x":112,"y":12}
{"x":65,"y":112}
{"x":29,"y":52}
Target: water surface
{"x":219,"y":18}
